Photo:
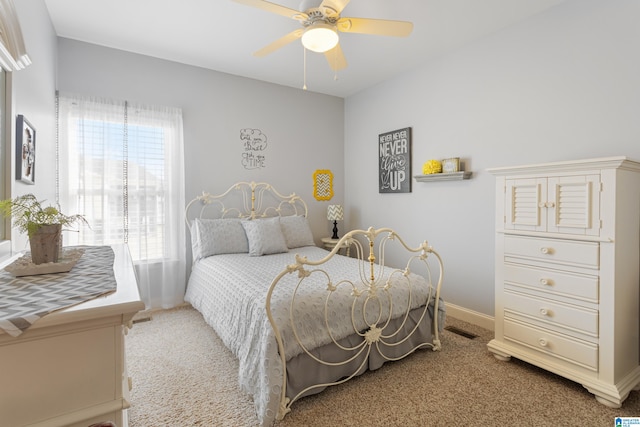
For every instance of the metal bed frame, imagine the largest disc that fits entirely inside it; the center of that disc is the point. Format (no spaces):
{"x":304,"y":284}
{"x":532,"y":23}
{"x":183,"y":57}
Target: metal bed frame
{"x":390,"y":339}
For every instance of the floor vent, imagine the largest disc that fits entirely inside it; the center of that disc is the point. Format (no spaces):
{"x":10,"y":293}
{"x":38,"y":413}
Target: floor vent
{"x":461,"y":332}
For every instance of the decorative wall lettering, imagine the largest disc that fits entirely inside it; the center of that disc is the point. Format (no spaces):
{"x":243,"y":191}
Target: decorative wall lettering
{"x":394,"y":161}
{"x":255,"y":142}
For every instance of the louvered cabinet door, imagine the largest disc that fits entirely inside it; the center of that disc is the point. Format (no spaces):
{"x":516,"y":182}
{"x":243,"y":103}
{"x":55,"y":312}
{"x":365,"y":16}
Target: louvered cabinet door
{"x":524,"y":200}
{"x":573,"y":205}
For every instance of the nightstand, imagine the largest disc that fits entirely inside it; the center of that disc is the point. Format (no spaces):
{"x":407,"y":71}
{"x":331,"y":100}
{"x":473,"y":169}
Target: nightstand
{"x":328,"y":243}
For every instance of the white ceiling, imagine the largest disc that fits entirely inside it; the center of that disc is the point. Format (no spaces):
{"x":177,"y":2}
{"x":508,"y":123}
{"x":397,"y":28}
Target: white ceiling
{"x":222,"y":35}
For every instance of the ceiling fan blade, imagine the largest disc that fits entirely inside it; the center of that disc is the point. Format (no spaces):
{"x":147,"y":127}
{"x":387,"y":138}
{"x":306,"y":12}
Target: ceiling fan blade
{"x":275,"y":8}
{"x":380,"y":27}
{"x":283,"y":41}
{"x":334,"y":5}
{"x":335,"y":58}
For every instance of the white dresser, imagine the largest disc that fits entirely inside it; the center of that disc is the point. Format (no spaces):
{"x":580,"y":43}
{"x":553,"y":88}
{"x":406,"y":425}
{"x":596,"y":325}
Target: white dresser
{"x":567,"y":281}
{"x":68,"y":369}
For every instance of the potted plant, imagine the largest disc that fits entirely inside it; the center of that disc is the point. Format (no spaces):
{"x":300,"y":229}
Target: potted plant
{"x":42,"y":224}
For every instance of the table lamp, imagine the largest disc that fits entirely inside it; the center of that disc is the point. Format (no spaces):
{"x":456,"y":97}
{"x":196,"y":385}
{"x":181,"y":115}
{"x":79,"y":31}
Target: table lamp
{"x":335,"y":213}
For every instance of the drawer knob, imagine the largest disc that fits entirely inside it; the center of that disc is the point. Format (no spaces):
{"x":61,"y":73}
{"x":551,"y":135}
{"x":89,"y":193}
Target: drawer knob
{"x":550,"y":204}
{"x":545,"y":282}
{"x":543,"y":342}
{"x":546,"y":250}
{"x":544,"y":311}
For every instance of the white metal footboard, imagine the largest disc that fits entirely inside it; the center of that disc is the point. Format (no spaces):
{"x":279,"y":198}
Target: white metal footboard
{"x":371,"y":304}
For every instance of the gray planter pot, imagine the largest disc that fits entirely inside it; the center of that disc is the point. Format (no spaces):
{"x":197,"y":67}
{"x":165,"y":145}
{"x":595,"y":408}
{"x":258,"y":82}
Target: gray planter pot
{"x":45,"y":244}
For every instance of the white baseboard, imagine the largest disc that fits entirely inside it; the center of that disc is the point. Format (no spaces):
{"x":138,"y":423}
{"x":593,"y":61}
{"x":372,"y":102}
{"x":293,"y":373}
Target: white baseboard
{"x":473,"y":317}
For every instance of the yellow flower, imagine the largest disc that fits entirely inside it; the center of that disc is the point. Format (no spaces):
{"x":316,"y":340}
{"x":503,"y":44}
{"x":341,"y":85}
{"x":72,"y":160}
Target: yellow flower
{"x":432,"y":166}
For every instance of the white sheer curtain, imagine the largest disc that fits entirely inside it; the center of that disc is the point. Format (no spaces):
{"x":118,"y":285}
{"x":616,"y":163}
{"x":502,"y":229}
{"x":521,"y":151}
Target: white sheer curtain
{"x":121,"y":165}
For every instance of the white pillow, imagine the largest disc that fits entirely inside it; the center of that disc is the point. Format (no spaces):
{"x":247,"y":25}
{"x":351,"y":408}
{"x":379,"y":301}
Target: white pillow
{"x":265,"y":236}
{"x":195,"y":244}
{"x":218,"y":236}
{"x":296,"y":231}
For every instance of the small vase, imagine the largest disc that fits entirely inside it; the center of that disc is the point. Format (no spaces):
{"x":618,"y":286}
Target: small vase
{"x":45,"y":244}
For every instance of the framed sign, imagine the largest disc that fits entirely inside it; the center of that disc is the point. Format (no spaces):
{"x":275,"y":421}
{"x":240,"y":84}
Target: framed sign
{"x":394,"y":161}
{"x":25,"y":151}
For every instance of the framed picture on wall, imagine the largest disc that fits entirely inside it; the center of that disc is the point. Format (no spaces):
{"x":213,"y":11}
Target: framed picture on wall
{"x":25,"y":150}
{"x":394,"y":161}
{"x":323,"y":184}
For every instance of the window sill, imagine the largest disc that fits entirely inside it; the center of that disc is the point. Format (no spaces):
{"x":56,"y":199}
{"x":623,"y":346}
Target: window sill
{"x":5,"y":250}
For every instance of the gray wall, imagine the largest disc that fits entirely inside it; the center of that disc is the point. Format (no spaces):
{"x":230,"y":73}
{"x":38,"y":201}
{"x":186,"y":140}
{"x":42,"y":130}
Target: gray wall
{"x":304,"y":129}
{"x":563,"y":85}
{"x":33,"y":96}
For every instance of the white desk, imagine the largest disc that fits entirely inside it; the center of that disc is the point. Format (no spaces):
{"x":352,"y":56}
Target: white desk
{"x":68,"y":369}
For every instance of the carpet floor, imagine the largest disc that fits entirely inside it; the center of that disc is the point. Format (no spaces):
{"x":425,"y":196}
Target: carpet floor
{"x":184,"y":376}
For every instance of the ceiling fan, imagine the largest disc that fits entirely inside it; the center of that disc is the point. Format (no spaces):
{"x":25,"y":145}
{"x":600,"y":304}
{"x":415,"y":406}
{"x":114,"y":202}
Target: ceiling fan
{"x":321,"y":24}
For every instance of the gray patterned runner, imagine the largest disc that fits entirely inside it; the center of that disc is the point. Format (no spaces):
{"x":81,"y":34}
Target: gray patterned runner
{"x":24,"y":300}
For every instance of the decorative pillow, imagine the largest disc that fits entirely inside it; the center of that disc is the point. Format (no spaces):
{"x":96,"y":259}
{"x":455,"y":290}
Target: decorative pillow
{"x":296,"y":231}
{"x":195,"y":244}
{"x":218,"y":236}
{"x":265,"y":236}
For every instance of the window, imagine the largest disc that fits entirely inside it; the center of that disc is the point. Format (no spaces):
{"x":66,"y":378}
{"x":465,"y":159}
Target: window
{"x":121,"y":165}
{"x":106,"y":174}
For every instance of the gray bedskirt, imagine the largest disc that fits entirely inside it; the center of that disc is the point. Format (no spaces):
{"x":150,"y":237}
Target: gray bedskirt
{"x":303,"y":371}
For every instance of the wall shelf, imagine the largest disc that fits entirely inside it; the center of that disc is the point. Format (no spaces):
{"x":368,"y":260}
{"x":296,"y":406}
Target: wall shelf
{"x":452,"y":176}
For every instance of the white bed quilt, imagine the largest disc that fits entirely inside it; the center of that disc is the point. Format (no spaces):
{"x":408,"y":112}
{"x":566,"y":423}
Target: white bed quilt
{"x":230,"y":292}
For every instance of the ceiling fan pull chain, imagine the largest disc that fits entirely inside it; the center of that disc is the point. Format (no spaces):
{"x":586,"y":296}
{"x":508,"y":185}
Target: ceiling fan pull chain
{"x":335,"y":61}
{"x":304,"y":68}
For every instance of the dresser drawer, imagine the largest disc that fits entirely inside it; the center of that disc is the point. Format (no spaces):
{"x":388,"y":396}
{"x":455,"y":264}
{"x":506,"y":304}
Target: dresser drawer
{"x":579,"y":352}
{"x":584,"y":254}
{"x":573,"y":285}
{"x":553,"y":313}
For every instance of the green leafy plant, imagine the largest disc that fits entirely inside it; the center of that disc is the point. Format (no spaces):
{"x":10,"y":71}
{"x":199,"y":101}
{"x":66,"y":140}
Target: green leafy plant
{"x":29,"y":214}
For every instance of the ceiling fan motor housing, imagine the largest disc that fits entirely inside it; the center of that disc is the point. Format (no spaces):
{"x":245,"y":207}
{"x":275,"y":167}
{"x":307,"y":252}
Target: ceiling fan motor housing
{"x":309,"y":5}
{"x":316,"y":15}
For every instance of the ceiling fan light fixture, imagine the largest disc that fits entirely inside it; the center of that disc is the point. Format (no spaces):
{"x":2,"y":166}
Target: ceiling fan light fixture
{"x":320,"y":37}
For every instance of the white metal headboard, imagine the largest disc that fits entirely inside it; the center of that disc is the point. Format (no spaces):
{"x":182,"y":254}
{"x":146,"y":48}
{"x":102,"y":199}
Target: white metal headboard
{"x":245,"y":200}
